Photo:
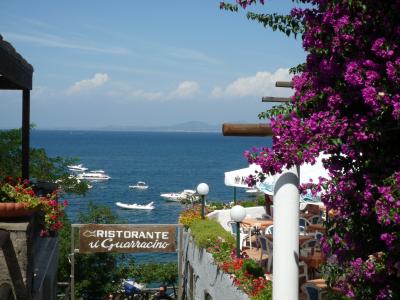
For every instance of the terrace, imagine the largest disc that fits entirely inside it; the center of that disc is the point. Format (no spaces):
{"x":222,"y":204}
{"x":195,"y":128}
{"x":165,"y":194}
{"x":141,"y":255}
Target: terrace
{"x":205,"y":261}
{"x":286,"y":252}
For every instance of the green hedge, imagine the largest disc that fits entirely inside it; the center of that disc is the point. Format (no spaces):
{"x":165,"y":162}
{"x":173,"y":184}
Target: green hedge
{"x":206,"y":231}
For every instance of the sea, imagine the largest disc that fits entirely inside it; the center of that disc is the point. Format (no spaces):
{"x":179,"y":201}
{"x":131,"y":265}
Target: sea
{"x":166,"y":161}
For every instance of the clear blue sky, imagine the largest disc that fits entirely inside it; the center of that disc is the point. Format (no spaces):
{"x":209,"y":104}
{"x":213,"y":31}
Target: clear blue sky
{"x":143,"y":63}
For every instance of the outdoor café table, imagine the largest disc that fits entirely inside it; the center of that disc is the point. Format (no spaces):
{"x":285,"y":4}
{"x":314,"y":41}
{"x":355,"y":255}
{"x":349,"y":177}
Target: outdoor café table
{"x":256,"y":222}
{"x":302,"y":238}
{"x":313,"y":261}
{"x":316,"y":227}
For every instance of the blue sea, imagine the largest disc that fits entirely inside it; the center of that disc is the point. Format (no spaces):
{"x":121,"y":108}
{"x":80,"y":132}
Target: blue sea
{"x":166,"y":161}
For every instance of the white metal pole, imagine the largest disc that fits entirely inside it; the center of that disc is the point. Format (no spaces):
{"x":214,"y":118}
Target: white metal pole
{"x":286,"y":236}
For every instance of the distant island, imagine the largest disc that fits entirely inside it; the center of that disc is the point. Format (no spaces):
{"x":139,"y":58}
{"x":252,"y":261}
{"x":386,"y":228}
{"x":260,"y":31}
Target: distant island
{"x":192,"y":126}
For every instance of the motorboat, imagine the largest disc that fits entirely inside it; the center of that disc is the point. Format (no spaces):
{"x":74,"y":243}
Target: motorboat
{"x":98,"y":171}
{"x":93,"y":176}
{"x":135,"y":206}
{"x":171,"y":196}
{"x":140,"y":185}
{"x":77,"y":168}
{"x":177,"y":197}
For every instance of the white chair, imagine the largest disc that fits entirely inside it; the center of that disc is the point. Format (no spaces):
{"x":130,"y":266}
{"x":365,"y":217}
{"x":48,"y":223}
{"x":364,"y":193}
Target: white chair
{"x":303,"y":273}
{"x":304,"y":222}
{"x":245,"y":229}
{"x":302,"y":230}
{"x":266,"y":248}
{"x":309,"y":244}
{"x":269,"y":229}
{"x":315,"y":219}
{"x":243,"y":236}
{"x":314,"y":289}
{"x":318,"y":235}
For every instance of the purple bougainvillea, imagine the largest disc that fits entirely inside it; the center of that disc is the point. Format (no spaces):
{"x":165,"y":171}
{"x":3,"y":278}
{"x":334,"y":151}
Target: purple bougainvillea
{"x":346,"y":104}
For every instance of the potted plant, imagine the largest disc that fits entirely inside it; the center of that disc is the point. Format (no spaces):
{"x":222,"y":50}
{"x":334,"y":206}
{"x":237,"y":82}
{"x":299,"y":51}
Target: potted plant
{"x":18,"y":199}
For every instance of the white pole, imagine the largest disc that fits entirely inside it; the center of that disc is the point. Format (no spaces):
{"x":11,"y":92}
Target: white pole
{"x":286,"y":236}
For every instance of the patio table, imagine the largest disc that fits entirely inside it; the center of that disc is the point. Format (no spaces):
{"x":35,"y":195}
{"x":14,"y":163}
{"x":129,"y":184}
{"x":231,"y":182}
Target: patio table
{"x":257,"y":222}
{"x":302,"y":238}
{"x":316,"y":227}
{"x":313,"y":262}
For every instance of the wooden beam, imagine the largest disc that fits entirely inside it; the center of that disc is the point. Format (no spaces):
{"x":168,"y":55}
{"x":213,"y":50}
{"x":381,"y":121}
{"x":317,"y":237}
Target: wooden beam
{"x":25,"y":133}
{"x":285,"y":84}
{"x":6,"y":84}
{"x":246,"y":129}
{"x":275,"y":99}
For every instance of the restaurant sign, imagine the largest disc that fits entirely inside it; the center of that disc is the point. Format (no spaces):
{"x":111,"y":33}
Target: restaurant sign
{"x":127,"y":238}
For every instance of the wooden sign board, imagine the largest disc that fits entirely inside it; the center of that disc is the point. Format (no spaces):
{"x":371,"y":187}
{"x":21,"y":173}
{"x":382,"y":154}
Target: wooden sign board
{"x":118,"y":238}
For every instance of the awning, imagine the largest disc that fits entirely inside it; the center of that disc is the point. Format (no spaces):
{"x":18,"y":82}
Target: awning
{"x":237,"y":178}
{"x":307,"y":172}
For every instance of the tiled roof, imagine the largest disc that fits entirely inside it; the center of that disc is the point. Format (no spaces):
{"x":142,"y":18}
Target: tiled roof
{"x":11,"y":50}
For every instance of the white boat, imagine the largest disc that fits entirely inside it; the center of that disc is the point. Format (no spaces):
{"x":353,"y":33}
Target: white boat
{"x":97,"y":171}
{"x":77,"y":168}
{"x":93,"y":176}
{"x":171,"y":196}
{"x":141,"y":185}
{"x":135,"y":206}
{"x":177,"y":197}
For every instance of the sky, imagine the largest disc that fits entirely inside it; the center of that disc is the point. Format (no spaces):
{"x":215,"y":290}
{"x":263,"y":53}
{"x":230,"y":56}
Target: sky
{"x":144,"y":63}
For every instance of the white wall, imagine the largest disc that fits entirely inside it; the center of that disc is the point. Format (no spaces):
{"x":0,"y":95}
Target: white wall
{"x":207,"y":277}
{"x":224,"y":216}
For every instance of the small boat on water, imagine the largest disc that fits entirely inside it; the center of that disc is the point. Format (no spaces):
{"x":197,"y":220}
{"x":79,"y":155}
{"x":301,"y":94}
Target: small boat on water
{"x":93,"y":176}
{"x":171,"y":196}
{"x":135,"y":206}
{"x":77,"y":168}
{"x":177,"y":197}
{"x":140,"y":185}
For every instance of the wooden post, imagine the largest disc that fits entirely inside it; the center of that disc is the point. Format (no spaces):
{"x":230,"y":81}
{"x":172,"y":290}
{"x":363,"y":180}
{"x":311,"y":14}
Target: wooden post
{"x":25,"y":133}
{"x":285,"y":84}
{"x":246,"y":130}
{"x":275,"y":99}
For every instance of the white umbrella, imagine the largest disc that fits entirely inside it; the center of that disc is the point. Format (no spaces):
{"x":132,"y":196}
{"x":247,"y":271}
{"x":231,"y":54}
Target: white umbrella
{"x":307,"y":172}
{"x":237,"y":178}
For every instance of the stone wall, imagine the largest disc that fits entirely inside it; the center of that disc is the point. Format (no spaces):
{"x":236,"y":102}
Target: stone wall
{"x":36,"y":261}
{"x":22,"y":240}
{"x":202,"y":279}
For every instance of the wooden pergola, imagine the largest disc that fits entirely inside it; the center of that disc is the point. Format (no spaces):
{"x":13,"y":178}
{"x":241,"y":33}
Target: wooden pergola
{"x":229,"y":129}
{"x":16,"y":74}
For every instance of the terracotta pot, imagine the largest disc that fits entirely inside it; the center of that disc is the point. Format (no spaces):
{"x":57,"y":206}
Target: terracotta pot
{"x":10,"y":210}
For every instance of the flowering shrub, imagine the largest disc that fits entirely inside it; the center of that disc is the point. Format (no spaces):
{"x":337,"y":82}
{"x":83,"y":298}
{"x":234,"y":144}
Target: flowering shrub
{"x":250,"y":283}
{"x":220,"y":249}
{"x":346,"y":104}
{"x":19,"y":191}
{"x":188,"y":216}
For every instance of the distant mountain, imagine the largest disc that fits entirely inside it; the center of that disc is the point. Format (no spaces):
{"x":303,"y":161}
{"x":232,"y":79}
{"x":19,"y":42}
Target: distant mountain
{"x":192,"y":126}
